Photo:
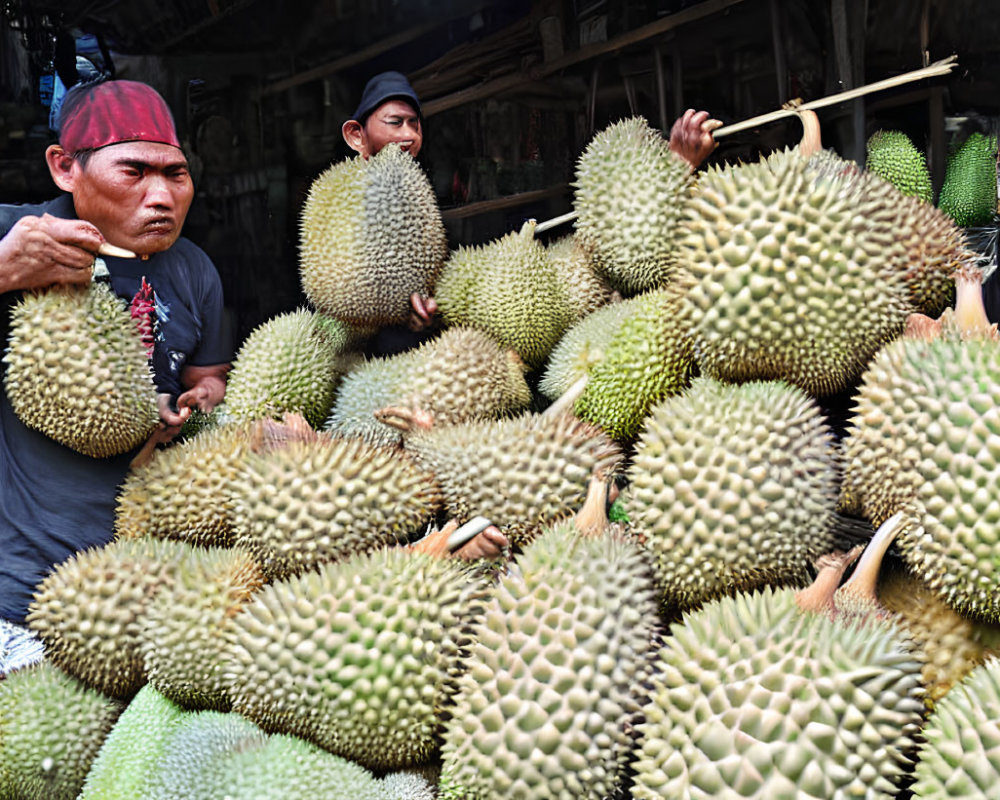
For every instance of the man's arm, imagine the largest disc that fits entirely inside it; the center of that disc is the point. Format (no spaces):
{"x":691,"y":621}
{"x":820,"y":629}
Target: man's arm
{"x":42,"y":251}
{"x":205,"y":387}
{"x":691,"y":136}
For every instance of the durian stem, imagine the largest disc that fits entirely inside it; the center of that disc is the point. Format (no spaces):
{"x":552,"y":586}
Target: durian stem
{"x":970,"y":312}
{"x":861,"y":585}
{"x":818,"y":596}
{"x":566,"y":400}
{"x":592,"y":519}
{"x":812,"y":139}
{"x":470,"y":529}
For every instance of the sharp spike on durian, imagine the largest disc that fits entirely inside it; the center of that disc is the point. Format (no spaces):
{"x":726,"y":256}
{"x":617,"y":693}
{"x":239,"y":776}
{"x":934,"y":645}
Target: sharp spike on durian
{"x":818,"y":596}
{"x":858,"y":593}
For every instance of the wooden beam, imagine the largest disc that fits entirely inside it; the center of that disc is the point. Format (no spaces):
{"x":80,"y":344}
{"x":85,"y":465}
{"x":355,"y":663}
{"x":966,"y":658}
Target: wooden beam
{"x":372,"y":50}
{"x":500,"y":203}
{"x":703,"y":10}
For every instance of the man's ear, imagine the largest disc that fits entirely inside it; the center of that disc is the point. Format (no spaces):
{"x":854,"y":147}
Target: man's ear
{"x":61,"y":167}
{"x":354,"y":135}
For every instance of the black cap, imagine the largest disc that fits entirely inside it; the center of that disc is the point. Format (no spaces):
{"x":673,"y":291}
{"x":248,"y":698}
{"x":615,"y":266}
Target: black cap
{"x":385,"y":86}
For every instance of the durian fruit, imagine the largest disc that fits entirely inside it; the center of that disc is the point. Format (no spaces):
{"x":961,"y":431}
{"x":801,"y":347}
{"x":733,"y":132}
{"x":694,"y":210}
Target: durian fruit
{"x":892,"y":156}
{"x":51,"y":728}
{"x":510,"y":289}
{"x":184,"y":492}
{"x":126,"y":762}
{"x":960,"y":755}
{"x":459,"y":376}
{"x":583,"y":345}
{"x":77,"y":370}
{"x":217,"y":756}
{"x":409,"y":785}
{"x":969,"y":191}
{"x":358,"y":657}
{"x":522,"y":473}
{"x":555,"y":675}
{"x":936,"y":248}
{"x":792,"y":280}
{"x":182,"y":635}
{"x":310,"y":502}
{"x":754,"y":697}
{"x":370,"y":236}
{"x":630,"y":192}
{"x":287,"y":364}
{"x":949,"y":645}
{"x":733,"y":488}
{"x":925,"y":439}
{"x":88,"y":610}
{"x":586,"y":291}
{"x":649,"y":358}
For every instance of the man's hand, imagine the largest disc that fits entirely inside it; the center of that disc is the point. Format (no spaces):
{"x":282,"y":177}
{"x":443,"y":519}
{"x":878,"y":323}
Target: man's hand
{"x":691,"y":136}
{"x":206,"y":387}
{"x":46,"y":250}
{"x":424,"y":309}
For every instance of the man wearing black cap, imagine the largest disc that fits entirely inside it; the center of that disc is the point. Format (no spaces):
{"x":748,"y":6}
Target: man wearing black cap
{"x":389,"y":111}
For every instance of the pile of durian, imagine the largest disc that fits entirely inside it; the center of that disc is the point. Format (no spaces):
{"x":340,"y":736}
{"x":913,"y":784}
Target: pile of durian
{"x":640,"y":415}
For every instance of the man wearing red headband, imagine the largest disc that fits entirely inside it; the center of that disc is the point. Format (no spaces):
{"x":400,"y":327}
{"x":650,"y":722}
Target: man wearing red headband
{"x":126,"y":183}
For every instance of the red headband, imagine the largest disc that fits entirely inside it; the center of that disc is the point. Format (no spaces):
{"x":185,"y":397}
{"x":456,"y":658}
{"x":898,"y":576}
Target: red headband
{"x":111,"y":112}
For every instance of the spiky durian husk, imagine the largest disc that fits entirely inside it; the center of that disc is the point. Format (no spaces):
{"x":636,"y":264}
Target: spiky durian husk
{"x":510,"y":289}
{"x":948,"y":644}
{"x":582,"y":346}
{"x":585,"y":290}
{"x":287,"y":364}
{"x":969,"y":191}
{"x":317,"y":501}
{"x":522,"y":473}
{"x":733,"y":487}
{"x":88,"y":610}
{"x":77,"y":370}
{"x":925,"y":438}
{"x":216,"y":756}
{"x":792,"y":280}
{"x":752,"y":697}
{"x":182,"y":635}
{"x":360,"y":656}
{"x":184,"y":492}
{"x":555,"y":675}
{"x":960,"y":753}
{"x":459,"y":376}
{"x":893,"y":157}
{"x":410,"y":785}
{"x":935,"y":246}
{"x":51,"y":728}
{"x":370,"y":236}
{"x":649,"y":358}
{"x":132,"y":749}
{"x":630,"y":193}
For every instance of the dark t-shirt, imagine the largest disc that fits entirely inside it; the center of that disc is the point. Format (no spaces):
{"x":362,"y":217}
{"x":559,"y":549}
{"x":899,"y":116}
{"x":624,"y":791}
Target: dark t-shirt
{"x":53,"y":500}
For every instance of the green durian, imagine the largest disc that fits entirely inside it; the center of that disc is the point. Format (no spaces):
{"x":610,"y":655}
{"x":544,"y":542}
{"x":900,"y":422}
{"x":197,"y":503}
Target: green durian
{"x":510,"y":289}
{"x":287,"y":364}
{"x":555,"y":674}
{"x":969,"y":191}
{"x":51,"y":728}
{"x":792,"y":281}
{"x":585,"y":289}
{"x":630,"y":192}
{"x":371,"y":235}
{"x":733,"y":488}
{"x":324,"y":499}
{"x":754,"y":697}
{"x":893,"y":157}
{"x":77,"y":370}
{"x":522,"y":473}
{"x":360,"y":656}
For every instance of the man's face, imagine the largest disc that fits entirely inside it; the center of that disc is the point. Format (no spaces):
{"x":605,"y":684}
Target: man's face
{"x":136,"y":193}
{"x":394,"y":121}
